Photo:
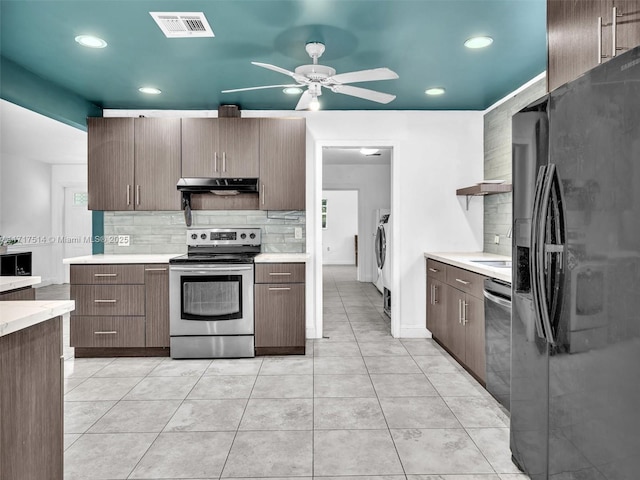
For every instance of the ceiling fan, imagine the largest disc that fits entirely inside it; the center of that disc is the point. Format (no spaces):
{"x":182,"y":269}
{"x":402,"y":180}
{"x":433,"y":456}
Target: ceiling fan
{"x":316,"y":76}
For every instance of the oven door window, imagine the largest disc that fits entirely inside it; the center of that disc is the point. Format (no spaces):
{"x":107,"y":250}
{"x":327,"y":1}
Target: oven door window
{"x":211,"y":297}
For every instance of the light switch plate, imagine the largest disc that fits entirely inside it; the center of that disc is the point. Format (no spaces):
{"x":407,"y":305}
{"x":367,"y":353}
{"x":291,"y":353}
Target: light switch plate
{"x":496,"y":239}
{"x":123,"y":240}
{"x":298,"y":233}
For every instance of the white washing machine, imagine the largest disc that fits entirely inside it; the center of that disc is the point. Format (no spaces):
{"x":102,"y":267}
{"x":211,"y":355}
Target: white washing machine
{"x":379,"y":244}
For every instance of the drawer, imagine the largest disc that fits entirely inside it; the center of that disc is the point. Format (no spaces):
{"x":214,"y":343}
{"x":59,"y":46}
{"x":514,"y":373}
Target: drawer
{"x":106,"y":300}
{"x":280,"y":272}
{"x":469,"y":282}
{"x":436,"y":270}
{"x":107,"y":332}
{"x":106,"y":274}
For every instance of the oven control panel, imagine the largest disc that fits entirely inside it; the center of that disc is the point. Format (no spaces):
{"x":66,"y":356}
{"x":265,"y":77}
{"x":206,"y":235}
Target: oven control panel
{"x":223,"y":236}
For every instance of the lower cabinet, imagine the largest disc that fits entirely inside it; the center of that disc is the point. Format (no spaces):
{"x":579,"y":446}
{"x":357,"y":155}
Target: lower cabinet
{"x":455,"y":314}
{"x":27,"y":293}
{"x":31,"y":409}
{"x":120,"y":310}
{"x":280,"y":322}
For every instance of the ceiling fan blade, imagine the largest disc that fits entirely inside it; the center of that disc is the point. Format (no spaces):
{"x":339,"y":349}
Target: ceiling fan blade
{"x":258,"y":88}
{"x":268,"y":66}
{"x":363,"y":93}
{"x":364,"y":76}
{"x":305,"y":101}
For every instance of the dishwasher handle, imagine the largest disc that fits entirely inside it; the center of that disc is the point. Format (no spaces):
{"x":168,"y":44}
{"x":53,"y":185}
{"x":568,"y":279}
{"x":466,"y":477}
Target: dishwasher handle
{"x":496,"y":299}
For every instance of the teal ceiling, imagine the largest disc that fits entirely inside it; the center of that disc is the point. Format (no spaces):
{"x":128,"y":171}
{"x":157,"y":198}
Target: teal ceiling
{"x":422,"y":40}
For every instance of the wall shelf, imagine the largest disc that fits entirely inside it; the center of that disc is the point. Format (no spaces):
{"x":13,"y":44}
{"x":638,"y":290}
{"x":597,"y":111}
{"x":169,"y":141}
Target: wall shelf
{"x":483,"y":189}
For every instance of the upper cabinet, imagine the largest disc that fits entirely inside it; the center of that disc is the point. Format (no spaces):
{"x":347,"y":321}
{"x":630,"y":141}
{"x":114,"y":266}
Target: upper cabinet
{"x":584,"y":33}
{"x":133,"y":163}
{"x":282,"y":163}
{"x":221,"y":147}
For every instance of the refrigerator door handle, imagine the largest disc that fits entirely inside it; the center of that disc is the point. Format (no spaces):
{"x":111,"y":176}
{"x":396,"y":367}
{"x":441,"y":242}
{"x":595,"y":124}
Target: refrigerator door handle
{"x":533,"y":264}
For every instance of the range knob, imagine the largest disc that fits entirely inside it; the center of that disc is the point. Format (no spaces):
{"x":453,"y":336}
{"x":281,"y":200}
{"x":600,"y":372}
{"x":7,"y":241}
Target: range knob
{"x":243,"y":236}
{"x":252,"y":236}
{"x":194,"y":236}
{"x":203,"y":236}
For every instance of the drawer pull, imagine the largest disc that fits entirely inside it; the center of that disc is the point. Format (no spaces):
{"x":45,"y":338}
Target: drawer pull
{"x":434,"y":270}
{"x":462,"y":281}
{"x":105,"y":301}
{"x":279,"y":273}
{"x":155,"y":269}
{"x":111,"y":332}
{"x":279,"y":288}
{"x":105,"y":274}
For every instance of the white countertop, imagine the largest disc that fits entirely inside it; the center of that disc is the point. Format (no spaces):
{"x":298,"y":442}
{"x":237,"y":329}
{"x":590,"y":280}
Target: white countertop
{"x":13,"y":283}
{"x":282,"y":258}
{"x":18,"y":315}
{"x":462,"y":260}
{"x":121,"y":258}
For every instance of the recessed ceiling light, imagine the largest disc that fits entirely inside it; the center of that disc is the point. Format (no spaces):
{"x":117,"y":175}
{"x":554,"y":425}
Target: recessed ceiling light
{"x":292,"y":90}
{"x":150,"y":90}
{"x":478,"y":42}
{"x":91,"y":41}
{"x":369,"y":151}
{"x":435,"y":91}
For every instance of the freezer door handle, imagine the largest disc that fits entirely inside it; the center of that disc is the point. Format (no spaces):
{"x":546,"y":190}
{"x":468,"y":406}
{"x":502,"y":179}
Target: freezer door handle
{"x":533,"y":266}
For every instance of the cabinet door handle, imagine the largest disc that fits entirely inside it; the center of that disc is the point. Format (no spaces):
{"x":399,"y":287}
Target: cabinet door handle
{"x":459,"y":311}
{"x":105,"y":274}
{"x":279,"y":288}
{"x":462,"y":281}
{"x":600,"y":55}
{"x":155,"y":269}
{"x":435,"y":293}
{"x":137,"y":194}
{"x":111,"y":332}
{"x":128,"y":194}
{"x":614,"y":32}
{"x":464,"y":312}
{"x":105,"y":301}
{"x":224,"y":161}
{"x":279,"y":273}
{"x":434,"y":270}
{"x":215,"y":161}
{"x":263,"y":193}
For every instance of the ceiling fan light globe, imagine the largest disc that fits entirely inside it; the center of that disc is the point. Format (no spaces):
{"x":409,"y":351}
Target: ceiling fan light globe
{"x":314,"y":106}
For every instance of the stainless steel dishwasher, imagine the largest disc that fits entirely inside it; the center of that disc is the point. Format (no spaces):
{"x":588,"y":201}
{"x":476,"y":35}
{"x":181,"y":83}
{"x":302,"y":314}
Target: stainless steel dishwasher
{"x":497,"y":318}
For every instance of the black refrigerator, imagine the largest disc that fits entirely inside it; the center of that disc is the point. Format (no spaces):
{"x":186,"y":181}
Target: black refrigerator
{"x":575,"y":332}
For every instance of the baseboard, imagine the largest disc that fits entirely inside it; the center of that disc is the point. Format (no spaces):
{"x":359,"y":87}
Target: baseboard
{"x":414,"y":332}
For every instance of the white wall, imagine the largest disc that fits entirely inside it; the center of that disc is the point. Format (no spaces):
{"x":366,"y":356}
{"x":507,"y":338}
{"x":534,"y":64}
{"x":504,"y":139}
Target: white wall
{"x":434,"y":153}
{"x":26,"y":210}
{"x":338,"y":239}
{"x":373,"y":183}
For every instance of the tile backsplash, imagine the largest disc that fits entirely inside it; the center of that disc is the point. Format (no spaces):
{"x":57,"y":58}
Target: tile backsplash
{"x":165,"y":232}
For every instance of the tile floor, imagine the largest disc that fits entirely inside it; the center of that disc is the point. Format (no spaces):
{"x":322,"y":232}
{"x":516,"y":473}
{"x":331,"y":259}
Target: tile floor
{"x":360,"y":405}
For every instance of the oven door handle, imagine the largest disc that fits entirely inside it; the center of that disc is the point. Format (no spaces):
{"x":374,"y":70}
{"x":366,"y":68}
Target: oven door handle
{"x":209,"y":269}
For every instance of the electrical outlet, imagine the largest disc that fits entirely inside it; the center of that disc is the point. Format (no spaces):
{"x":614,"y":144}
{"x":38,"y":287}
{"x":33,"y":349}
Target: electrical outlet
{"x":123,"y":240}
{"x":298,"y":233}
{"x":496,"y":239}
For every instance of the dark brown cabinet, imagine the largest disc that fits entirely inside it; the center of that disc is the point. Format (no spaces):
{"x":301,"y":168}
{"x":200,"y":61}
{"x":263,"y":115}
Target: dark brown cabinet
{"x":133,"y":163}
{"x":31,"y":433}
{"x":455,"y":314}
{"x":282,"y":163}
{"x":280,"y":309}
{"x":156,"y":305}
{"x":577,"y":41}
{"x":120,"y":309}
{"x":27,"y":293}
{"x":221,"y":147}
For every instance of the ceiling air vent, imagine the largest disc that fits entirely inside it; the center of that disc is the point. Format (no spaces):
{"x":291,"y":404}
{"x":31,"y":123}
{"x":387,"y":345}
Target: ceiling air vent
{"x":182,"y":24}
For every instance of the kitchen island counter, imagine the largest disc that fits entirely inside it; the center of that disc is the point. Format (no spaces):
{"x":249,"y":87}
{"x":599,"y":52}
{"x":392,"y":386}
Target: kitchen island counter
{"x":19,"y":315}
{"x":463,"y":260}
{"x":14,"y":283}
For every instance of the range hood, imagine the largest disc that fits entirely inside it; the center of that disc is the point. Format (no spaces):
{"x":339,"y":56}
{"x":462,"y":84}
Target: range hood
{"x":224,"y":186}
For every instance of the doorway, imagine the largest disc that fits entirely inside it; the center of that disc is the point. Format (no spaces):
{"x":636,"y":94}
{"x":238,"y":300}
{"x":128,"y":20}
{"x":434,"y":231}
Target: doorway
{"x":76,"y":224}
{"x":340,"y":227}
{"x":367,"y":171}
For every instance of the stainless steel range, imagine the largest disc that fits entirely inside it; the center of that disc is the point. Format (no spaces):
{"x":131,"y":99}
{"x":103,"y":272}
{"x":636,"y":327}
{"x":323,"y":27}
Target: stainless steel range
{"x":211,"y":294}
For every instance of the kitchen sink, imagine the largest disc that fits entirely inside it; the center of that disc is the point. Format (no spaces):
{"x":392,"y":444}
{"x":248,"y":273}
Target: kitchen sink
{"x":493,"y":263}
